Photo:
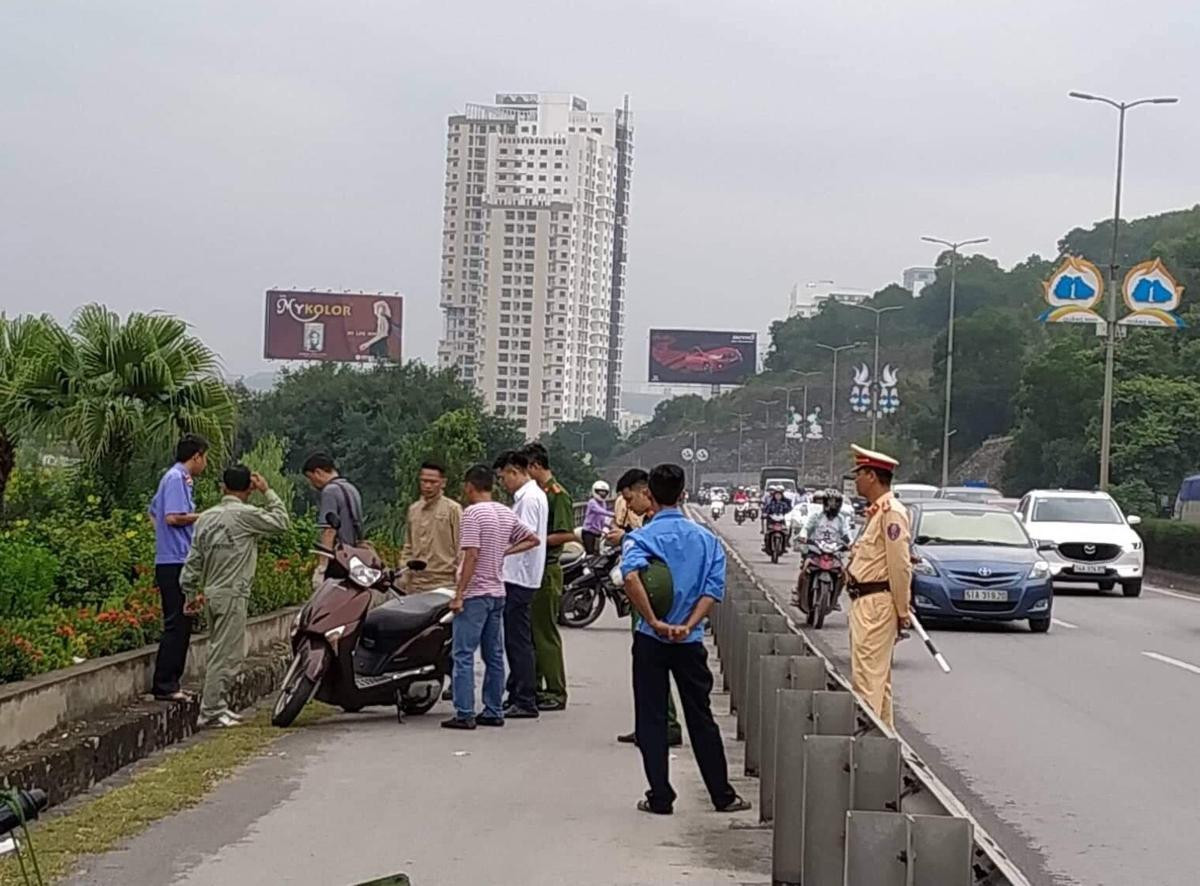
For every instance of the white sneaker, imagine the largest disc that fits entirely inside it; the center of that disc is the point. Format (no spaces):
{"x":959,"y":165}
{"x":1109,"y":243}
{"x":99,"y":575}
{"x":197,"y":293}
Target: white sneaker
{"x":222,"y":719}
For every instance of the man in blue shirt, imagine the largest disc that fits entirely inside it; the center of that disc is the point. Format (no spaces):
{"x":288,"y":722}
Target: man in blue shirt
{"x":673,"y":645}
{"x":173,"y":512}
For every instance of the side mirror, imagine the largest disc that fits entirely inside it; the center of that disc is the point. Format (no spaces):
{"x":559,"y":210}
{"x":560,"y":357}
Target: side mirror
{"x":416,"y":565}
{"x":1046,"y":546}
{"x":332,"y":521}
{"x":1133,"y":519}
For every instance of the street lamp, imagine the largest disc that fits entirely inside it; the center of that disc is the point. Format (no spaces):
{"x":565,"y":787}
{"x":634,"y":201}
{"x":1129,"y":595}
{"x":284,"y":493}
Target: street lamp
{"x":767,"y":404}
{"x":1110,"y":342}
{"x":833,"y":399}
{"x":799,"y":374}
{"x":741,"y":416}
{"x":954,"y":247}
{"x":878,"y":312}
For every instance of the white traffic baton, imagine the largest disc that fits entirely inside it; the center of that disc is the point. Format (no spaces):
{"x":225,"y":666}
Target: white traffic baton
{"x":933,"y":650}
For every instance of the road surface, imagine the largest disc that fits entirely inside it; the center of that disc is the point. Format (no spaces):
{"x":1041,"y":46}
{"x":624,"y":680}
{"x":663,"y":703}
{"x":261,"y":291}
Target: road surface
{"x":1076,"y":749}
{"x":537,"y":803}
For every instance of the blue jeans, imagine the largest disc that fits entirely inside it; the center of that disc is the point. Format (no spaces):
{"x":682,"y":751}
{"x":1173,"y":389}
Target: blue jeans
{"x":481,"y":623}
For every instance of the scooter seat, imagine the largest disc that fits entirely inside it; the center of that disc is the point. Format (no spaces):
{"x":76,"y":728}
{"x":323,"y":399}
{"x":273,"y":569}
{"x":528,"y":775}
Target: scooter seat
{"x":404,"y":616}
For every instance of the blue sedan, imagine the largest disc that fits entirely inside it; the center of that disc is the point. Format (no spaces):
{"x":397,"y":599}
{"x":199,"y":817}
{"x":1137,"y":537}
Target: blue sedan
{"x":977,"y":562}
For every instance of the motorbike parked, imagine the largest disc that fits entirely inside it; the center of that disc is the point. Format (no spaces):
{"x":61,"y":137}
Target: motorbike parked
{"x":823,"y":572}
{"x":599,"y":581}
{"x":776,"y":536}
{"x":348,"y":654}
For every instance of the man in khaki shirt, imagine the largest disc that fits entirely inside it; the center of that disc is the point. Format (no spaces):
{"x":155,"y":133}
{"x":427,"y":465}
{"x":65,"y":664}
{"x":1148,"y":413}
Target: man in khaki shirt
{"x":880,"y":582}
{"x":432,"y":532}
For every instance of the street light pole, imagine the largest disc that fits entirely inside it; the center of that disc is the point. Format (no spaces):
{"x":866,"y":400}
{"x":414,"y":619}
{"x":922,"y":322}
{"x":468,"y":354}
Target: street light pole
{"x":1110,"y":341}
{"x":954,"y":247}
{"x":740,"y":417}
{"x":801,"y":374}
{"x":833,"y":399}
{"x":767,"y":404}
{"x":875,"y":386}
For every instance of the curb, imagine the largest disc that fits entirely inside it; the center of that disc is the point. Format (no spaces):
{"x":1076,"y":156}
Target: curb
{"x":88,"y":751}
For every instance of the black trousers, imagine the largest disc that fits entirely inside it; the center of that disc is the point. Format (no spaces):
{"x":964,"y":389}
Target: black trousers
{"x":177,"y":630}
{"x":518,"y":646}
{"x":591,"y":542}
{"x":654,"y":662}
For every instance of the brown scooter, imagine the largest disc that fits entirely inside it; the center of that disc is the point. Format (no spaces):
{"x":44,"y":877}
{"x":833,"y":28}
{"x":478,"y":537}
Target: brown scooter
{"x":353,"y":656}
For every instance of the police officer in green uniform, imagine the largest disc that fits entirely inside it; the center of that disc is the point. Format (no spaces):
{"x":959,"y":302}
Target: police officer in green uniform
{"x":221,"y":563}
{"x":547,"y":642}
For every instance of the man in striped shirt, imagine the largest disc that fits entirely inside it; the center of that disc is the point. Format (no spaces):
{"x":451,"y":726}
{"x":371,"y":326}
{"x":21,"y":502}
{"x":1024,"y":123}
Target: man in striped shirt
{"x":489,"y":532}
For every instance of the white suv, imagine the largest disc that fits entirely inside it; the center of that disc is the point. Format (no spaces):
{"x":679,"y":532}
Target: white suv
{"x":1092,"y":539}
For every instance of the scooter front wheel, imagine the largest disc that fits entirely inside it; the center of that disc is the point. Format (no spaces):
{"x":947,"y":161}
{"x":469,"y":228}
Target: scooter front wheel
{"x":297,"y":689}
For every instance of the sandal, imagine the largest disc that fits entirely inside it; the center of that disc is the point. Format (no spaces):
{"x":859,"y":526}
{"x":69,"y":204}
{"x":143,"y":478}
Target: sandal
{"x":737,"y":804}
{"x":644,"y":806}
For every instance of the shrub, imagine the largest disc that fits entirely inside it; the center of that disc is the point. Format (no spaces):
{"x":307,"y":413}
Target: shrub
{"x":1171,"y":544}
{"x":28,"y":577}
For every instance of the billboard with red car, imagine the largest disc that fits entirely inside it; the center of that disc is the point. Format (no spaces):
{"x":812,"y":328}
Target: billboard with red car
{"x":692,"y":356}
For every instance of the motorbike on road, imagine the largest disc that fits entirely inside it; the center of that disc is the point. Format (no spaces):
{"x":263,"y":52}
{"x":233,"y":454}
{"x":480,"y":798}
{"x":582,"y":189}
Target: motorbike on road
{"x":775,"y":541}
{"x":352,"y":655}
{"x":599,"y":581}
{"x":739,"y":513}
{"x":718,"y":508}
{"x":822,"y":574}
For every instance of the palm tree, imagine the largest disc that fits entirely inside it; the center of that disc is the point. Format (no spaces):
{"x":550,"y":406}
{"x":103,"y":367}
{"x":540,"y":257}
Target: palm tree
{"x":135,"y":387}
{"x":32,"y":382}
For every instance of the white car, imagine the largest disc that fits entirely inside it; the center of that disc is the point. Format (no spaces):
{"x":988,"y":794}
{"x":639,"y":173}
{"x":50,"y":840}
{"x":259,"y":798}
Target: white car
{"x":913,"y":491}
{"x":1092,"y":540}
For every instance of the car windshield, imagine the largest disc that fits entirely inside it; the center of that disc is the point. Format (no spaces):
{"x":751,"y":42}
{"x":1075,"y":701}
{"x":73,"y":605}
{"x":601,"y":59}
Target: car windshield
{"x":952,"y":527}
{"x":1091,"y":509}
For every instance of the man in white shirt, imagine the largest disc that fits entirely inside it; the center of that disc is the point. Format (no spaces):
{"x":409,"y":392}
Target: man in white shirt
{"x":522,"y":578}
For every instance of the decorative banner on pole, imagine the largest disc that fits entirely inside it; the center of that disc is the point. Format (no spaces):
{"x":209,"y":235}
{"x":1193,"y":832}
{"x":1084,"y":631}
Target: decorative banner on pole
{"x":860,"y":390}
{"x":1153,"y":296}
{"x":1074,"y":288}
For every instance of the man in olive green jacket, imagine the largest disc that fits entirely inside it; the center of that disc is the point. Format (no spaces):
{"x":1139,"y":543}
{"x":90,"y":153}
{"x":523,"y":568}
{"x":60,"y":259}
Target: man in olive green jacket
{"x":221,"y":563}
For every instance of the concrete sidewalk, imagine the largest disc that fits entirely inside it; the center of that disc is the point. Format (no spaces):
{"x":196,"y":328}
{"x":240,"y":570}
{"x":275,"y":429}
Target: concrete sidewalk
{"x":537,"y":803}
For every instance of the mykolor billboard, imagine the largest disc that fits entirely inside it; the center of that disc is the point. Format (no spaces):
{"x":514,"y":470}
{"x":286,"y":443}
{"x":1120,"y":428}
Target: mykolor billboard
{"x":344,"y":327}
{"x":690,"y":356}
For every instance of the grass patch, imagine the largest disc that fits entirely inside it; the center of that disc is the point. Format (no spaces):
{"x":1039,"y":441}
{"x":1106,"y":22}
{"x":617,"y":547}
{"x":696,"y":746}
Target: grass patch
{"x":180,"y":781}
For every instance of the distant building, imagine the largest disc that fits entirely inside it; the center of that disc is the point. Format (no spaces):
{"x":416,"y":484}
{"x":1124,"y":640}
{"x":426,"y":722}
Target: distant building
{"x":807,"y":299}
{"x":916,"y":279}
{"x":533,"y":256}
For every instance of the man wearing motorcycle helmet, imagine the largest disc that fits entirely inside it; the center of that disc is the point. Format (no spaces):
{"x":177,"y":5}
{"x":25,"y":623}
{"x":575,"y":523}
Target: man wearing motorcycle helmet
{"x":776,"y":506}
{"x":827,"y":525}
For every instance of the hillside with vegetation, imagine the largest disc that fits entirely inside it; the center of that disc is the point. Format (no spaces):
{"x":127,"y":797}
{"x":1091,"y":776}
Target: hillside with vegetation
{"x":1013,"y":377}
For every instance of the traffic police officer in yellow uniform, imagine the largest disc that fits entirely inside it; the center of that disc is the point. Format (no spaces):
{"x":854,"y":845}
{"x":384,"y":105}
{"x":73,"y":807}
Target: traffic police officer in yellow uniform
{"x":879,"y":581}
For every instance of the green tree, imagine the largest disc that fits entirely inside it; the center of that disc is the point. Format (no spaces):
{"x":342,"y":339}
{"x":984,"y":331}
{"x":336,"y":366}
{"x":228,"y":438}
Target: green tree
{"x":134,"y":387}
{"x":267,"y":458}
{"x":1156,"y":438}
{"x":598,"y":437}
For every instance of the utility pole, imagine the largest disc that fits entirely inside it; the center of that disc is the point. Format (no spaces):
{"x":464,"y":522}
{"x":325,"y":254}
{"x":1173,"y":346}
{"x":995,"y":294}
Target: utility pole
{"x":767,"y":404}
{"x":1110,"y":341}
{"x":741,"y":416}
{"x":833,"y":399}
{"x":954,"y":247}
{"x":875,"y":386}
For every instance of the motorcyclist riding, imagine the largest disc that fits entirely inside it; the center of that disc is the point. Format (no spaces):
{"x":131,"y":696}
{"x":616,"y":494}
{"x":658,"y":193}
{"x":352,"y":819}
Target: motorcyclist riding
{"x":827,"y":525}
{"x":775,"y":506}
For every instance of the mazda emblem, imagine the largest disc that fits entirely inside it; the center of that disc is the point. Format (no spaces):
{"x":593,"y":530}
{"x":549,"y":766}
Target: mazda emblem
{"x":984,"y":572}
{"x":1089,"y":549}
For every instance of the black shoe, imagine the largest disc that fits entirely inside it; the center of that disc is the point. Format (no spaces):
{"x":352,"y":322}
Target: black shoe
{"x":551,"y":704}
{"x":675,"y":739}
{"x":515,"y":713}
{"x":447,"y":694}
{"x":459,"y":723}
{"x":489,"y":720}
{"x":628,"y":738}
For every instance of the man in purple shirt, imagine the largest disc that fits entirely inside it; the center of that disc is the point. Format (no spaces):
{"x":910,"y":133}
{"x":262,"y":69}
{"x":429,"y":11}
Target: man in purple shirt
{"x":173,"y":512}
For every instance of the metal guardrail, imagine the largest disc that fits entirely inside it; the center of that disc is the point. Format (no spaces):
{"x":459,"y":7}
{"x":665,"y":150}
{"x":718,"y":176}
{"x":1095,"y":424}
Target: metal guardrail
{"x":851,"y":802}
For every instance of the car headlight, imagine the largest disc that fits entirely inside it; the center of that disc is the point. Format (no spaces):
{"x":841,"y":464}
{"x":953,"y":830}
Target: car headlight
{"x":924,"y":567}
{"x":1040,"y":569}
{"x":363,"y":575}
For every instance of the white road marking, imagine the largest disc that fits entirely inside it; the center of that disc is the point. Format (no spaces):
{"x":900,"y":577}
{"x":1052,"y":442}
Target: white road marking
{"x":1194,"y":598}
{"x":1063,"y":624}
{"x":1166,"y":659}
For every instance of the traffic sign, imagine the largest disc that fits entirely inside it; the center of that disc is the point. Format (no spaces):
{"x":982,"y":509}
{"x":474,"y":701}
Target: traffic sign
{"x":686,"y":454}
{"x":701,"y":455}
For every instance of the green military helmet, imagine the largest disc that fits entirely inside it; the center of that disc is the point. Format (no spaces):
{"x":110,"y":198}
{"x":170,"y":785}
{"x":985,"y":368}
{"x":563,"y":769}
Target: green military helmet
{"x":656,"y":578}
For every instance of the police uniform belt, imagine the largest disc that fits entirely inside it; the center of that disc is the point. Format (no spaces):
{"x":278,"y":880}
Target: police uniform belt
{"x":856,"y":589}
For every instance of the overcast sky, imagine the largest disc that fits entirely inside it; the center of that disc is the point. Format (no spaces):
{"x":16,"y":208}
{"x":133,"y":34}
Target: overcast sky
{"x":186,"y":156}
